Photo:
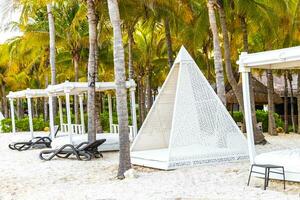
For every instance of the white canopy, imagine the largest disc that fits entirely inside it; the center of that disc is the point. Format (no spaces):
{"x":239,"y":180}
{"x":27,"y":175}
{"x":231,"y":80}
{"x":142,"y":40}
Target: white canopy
{"x":66,"y":89}
{"x":275,"y":59}
{"x":288,"y":58}
{"x":28,"y":93}
{"x":73,"y":88}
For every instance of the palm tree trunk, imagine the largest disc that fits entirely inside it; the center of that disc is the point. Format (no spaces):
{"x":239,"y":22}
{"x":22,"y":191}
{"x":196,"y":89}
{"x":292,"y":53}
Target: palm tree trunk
{"x":4,"y":101}
{"x":76,"y":73}
{"x":290,"y":78}
{"x":98,"y":97}
{"x":168,"y":41}
{"x":91,"y":71}
{"x":286,"y":117}
{"x":271,"y":120}
{"x":206,"y":51}
{"x":121,"y":92}
{"x":142,"y":107}
{"x":52,"y":50}
{"x":35,"y":106}
{"x":217,"y":52}
{"x":46,"y":101}
{"x":148,"y":91}
{"x":230,"y":76}
{"x":298,"y":101}
{"x":130,"y":60}
{"x":258,"y":137}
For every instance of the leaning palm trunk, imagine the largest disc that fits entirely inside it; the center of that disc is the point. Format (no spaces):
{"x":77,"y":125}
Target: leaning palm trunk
{"x":258,"y":137}
{"x":52,"y":50}
{"x":286,"y":118}
{"x":121,"y":93}
{"x":290,"y":77}
{"x":91,"y":71}
{"x":168,"y":41}
{"x":271,"y":120}
{"x":230,"y":76}
{"x":217,"y":52}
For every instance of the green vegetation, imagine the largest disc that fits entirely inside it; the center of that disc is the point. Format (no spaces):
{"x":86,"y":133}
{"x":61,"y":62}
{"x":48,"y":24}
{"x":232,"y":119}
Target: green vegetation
{"x":39,"y":124}
{"x":262,"y":116}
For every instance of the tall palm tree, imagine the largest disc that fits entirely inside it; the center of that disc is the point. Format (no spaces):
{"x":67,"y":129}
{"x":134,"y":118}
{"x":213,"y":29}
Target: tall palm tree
{"x":52,"y":49}
{"x":121,"y":92}
{"x":91,"y":71}
{"x":217,"y":51}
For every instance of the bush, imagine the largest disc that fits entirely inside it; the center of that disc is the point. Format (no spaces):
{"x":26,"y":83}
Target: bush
{"x":261,"y":116}
{"x":23,"y":124}
{"x":237,"y":116}
{"x":40,"y":125}
{"x":6,"y":125}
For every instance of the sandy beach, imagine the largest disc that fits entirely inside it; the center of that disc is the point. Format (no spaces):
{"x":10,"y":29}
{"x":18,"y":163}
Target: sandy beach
{"x":24,"y":176}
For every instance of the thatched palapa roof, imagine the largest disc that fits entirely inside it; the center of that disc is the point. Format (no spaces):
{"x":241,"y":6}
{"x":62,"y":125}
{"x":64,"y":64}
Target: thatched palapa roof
{"x":260,"y":94}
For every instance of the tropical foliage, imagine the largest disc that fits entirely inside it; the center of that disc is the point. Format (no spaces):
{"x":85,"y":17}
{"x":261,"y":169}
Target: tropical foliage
{"x":96,"y":40}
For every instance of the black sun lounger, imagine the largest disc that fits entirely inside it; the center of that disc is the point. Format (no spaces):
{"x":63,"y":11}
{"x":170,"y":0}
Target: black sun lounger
{"x":83,"y":151}
{"x":35,"y":142}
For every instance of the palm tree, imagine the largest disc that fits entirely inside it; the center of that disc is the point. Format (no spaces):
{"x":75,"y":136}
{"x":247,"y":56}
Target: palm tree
{"x":286,"y":119}
{"x":271,"y":119}
{"x":91,"y":71}
{"x":121,"y":92}
{"x":217,"y":51}
{"x":52,"y":50}
{"x":229,"y":72}
{"x":290,"y":79}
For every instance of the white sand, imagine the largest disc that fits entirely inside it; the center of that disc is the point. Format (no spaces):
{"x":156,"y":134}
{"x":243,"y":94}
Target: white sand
{"x":24,"y":176}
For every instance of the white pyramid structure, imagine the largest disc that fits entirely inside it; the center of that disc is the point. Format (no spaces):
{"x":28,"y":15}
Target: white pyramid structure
{"x":187,"y":125}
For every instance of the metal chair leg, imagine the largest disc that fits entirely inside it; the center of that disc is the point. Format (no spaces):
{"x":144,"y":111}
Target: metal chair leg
{"x":283,"y":173}
{"x":265,"y":185}
{"x":268,"y":176}
{"x":249,"y":175}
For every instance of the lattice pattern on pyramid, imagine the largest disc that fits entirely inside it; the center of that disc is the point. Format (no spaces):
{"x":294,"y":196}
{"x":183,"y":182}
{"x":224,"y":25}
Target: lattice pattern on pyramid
{"x":202,"y":127}
{"x":188,"y":124}
{"x":156,"y":129}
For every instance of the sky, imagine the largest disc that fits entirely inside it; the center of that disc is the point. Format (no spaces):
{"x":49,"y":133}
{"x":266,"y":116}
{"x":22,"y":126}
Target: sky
{"x":7,"y":14}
